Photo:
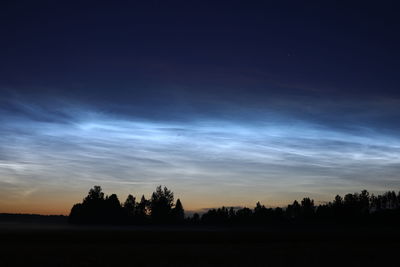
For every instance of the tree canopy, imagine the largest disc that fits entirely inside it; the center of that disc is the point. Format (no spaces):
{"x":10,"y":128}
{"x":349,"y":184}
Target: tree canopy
{"x":96,"y":208}
{"x":160,"y":208}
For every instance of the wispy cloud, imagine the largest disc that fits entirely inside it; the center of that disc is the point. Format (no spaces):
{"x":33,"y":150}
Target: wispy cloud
{"x":199,"y":157}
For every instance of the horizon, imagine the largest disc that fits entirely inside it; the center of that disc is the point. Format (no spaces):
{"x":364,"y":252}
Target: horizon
{"x":204,"y":210}
{"x":224,"y":103}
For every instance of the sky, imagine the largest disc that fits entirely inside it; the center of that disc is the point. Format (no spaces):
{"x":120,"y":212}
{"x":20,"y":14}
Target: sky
{"x":224,"y":102}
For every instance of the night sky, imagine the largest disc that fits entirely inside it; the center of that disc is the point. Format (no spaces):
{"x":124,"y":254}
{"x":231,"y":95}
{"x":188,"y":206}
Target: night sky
{"x":226,"y":103}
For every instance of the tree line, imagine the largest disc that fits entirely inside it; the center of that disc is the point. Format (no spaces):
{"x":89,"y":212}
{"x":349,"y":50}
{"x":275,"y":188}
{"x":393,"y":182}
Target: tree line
{"x":352,"y":208}
{"x":96,"y":208}
{"x":363,"y":207}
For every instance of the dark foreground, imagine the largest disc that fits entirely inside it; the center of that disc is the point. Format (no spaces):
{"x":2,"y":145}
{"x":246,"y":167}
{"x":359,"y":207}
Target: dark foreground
{"x":33,"y":245}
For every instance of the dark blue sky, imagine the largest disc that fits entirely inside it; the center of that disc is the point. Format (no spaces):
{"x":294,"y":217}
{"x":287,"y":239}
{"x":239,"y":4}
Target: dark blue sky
{"x":307,"y":92}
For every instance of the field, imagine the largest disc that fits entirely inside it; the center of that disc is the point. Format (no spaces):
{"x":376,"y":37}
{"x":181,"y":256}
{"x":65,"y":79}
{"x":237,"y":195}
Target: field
{"x":63,"y":245}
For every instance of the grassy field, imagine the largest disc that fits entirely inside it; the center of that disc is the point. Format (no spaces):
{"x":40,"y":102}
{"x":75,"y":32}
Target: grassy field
{"x":34,"y":245}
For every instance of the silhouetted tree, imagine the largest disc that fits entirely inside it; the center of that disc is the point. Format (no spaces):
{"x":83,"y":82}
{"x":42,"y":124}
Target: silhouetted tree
{"x":217,"y":216}
{"x":324,"y":212}
{"x":262,"y":214}
{"x":244,"y":216}
{"x":178,"y":212}
{"x":141,"y":210}
{"x":96,"y":208}
{"x":307,"y":208}
{"x":278,"y":214}
{"x":113,"y":211}
{"x":392,"y":200}
{"x":93,"y":206}
{"x":161,"y":203}
{"x":338,"y":202}
{"x":293,"y":211}
{"x":364,"y":202}
{"x":130,"y":209}
{"x":195,"y":219}
{"x":231,"y":213}
{"x":95,"y":194}
{"x":76,"y":215}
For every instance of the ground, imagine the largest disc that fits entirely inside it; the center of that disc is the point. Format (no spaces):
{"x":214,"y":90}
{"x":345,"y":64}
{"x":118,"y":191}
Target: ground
{"x":63,"y":245}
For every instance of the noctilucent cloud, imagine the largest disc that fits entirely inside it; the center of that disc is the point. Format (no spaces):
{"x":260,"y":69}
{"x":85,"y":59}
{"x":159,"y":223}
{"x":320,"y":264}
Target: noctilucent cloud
{"x":224,"y":104}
